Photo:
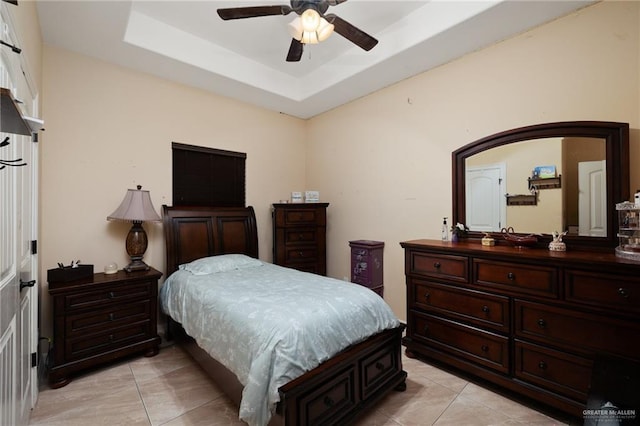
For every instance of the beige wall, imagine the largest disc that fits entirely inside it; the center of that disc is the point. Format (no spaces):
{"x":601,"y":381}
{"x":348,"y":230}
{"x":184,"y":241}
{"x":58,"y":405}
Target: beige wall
{"x":385,"y":167}
{"x":387,"y":170}
{"x":109,"y":129}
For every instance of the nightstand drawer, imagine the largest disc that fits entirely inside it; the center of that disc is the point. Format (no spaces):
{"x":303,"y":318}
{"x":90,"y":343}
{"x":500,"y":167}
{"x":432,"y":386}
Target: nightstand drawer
{"x":516,"y":278}
{"x":112,"y":317}
{"x":86,"y":345}
{"x":106,"y":296}
{"x":451,"y":268}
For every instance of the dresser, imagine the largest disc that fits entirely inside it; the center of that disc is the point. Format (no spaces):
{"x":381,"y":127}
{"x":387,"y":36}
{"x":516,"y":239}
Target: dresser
{"x":367,"y":267}
{"x":529,"y":320}
{"x":101,"y":319}
{"x":299,"y":236}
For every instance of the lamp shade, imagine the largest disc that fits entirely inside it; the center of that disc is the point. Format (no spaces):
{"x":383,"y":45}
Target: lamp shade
{"x":136,"y":207}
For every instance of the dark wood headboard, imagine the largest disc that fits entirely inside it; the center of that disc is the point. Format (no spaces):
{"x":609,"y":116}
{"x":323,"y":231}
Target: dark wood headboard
{"x":195,"y":232}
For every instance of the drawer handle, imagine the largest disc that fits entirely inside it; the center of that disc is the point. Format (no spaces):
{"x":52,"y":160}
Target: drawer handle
{"x":485,"y":309}
{"x":300,"y":237}
{"x":511,"y":276}
{"x":542,"y":365}
{"x":300,"y":254}
{"x":623,"y":292}
{"x":112,"y":295}
{"x":111,"y":337}
{"x":542,"y":323}
{"x":328,"y":401}
{"x":380,"y":366}
{"x":111,"y":316}
{"x":485,"y":348}
{"x":426,"y":330}
{"x":437,"y":265}
{"x":427,"y":295}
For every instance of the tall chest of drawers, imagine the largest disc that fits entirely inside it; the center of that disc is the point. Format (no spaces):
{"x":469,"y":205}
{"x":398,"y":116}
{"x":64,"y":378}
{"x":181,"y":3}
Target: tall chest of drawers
{"x":529,"y":320}
{"x":102,"y":319}
{"x":299,"y":236}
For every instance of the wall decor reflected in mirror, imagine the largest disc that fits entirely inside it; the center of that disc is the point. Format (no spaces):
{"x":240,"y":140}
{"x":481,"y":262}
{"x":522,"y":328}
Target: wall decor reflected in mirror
{"x":589,"y":161}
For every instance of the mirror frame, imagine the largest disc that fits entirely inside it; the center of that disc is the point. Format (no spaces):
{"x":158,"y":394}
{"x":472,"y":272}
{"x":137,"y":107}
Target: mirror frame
{"x":616,"y":136}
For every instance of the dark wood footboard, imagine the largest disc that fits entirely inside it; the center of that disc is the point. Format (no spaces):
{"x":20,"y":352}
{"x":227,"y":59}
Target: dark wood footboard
{"x":336,"y":392}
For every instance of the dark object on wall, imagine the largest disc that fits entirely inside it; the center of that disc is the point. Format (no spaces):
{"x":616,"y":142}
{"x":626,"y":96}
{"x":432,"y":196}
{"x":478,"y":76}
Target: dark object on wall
{"x":367,"y":266}
{"x":11,"y":1}
{"x":208,"y":177}
{"x":67,"y":274}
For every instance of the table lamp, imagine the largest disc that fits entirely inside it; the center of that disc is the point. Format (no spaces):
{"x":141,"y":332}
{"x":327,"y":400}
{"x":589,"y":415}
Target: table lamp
{"x":136,"y":208}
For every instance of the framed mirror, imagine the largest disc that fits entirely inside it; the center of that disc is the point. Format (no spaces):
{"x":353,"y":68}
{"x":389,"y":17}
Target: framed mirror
{"x":563,"y":176}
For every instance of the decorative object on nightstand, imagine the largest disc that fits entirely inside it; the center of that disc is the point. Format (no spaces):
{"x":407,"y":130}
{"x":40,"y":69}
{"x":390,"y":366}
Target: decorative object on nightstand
{"x":137,"y":208}
{"x":101,"y":319}
{"x":299,"y":236}
{"x":367,"y":265}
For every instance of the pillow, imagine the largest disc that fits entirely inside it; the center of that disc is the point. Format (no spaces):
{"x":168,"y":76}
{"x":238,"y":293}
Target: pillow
{"x":220,"y":263}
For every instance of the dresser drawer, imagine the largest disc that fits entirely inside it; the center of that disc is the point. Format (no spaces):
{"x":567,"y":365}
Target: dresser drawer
{"x":482,"y":309}
{"x":330,"y":401}
{"x":293,"y":236}
{"x":446,"y":267}
{"x":301,"y":216}
{"x":621,"y":293}
{"x":516,"y":278}
{"x":378,"y":368}
{"x":479,"y":346}
{"x":116,"y":315}
{"x":84,"y":346}
{"x":111,"y":295}
{"x":572,"y":329}
{"x":559,"y":372}
{"x":301,"y":254}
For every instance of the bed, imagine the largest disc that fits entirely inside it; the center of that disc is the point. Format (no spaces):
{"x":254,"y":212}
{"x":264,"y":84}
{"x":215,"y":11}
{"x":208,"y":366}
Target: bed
{"x":338,"y":390}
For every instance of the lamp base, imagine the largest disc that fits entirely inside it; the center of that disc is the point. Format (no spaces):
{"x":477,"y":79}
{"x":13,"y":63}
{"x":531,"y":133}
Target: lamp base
{"x":136,"y":246}
{"x":136,"y":265}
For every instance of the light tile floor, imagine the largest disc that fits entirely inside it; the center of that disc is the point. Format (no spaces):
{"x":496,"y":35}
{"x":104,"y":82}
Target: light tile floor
{"x":170,"y":389}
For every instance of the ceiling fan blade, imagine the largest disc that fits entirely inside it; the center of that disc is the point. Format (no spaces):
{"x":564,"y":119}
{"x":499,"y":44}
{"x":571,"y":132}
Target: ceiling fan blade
{"x":351,"y":33}
{"x":253,"y":12}
{"x":295,"y":51}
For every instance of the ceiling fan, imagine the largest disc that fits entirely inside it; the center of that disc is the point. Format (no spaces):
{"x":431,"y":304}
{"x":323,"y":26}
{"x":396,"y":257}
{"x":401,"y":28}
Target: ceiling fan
{"x":311,"y":25}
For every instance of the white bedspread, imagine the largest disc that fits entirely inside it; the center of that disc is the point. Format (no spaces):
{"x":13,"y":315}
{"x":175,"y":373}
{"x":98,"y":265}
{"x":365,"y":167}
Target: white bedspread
{"x":270,"y":324}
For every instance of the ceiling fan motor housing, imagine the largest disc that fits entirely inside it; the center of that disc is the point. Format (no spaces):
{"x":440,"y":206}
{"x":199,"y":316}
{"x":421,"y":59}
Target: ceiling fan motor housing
{"x":300,"y":6}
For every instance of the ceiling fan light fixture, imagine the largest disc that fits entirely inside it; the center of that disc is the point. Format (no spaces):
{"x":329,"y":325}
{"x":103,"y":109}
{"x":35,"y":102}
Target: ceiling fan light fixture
{"x":310,"y":19}
{"x":313,"y":36}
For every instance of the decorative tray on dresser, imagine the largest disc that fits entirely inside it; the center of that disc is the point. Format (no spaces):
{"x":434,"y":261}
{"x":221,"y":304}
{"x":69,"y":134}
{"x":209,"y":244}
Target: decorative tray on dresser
{"x":530,"y":320}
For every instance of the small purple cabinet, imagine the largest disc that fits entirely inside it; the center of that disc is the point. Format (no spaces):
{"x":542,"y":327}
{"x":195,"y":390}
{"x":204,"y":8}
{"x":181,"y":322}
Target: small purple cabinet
{"x":366,"y":264}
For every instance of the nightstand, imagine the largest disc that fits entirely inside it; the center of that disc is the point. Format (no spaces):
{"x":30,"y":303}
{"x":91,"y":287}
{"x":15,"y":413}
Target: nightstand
{"x":366,"y":264}
{"x":102,"y":319}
